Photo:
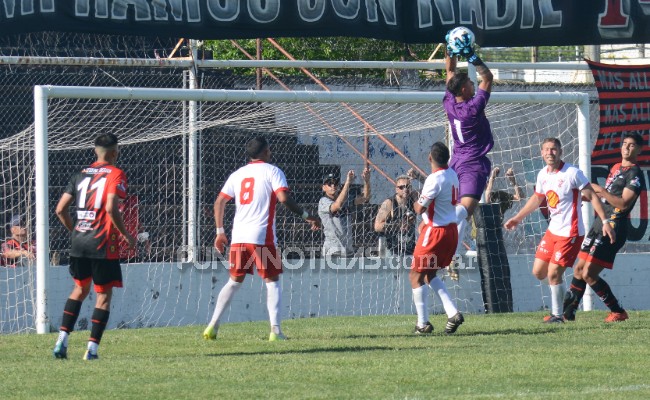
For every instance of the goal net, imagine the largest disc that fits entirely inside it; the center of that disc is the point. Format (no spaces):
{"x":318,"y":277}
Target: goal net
{"x":177,"y":148}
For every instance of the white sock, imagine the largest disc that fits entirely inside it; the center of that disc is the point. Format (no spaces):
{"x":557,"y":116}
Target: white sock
{"x":420,"y":297}
{"x":440,"y":288}
{"x":273,"y":300}
{"x":557,"y":299}
{"x":461,"y":213}
{"x":461,"y":220}
{"x":63,"y":337}
{"x":92,"y":347}
{"x":223,"y":300}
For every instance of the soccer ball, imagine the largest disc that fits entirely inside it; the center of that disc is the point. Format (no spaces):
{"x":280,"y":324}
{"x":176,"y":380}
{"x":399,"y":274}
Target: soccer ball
{"x":458,"y":38}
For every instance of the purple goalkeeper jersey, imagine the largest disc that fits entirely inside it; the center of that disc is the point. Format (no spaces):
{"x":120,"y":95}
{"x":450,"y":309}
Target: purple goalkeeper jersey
{"x":469,"y":126}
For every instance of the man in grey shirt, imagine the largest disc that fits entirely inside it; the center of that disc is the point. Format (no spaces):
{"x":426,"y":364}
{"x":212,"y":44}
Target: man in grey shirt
{"x":334,"y":211}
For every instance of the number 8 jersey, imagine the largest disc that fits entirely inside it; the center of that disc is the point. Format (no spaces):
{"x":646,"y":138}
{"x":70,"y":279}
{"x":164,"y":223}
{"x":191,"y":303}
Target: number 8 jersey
{"x":94,"y":235}
{"x":254,"y":189}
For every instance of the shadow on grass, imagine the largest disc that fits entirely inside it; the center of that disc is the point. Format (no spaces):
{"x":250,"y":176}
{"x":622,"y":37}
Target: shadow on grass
{"x":512,"y":331}
{"x":426,"y":345}
{"x":339,"y":349}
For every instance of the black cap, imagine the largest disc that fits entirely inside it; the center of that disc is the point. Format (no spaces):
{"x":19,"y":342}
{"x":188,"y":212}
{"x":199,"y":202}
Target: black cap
{"x":331,"y":178}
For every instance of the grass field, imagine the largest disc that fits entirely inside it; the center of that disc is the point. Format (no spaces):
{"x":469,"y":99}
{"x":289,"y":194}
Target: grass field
{"x":491,"y":356}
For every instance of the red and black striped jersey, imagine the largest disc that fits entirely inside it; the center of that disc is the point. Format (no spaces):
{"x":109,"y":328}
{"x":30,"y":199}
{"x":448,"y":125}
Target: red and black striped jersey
{"x":13,"y":244}
{"x":94,"y":235}
{"x":620,"y":178}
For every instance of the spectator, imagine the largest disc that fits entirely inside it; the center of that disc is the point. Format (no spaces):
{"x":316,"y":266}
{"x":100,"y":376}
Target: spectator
{"x":334,"y":212}
{"x":18,"y":249}
{"x":504,"y":198}
{"x":396,"y":218}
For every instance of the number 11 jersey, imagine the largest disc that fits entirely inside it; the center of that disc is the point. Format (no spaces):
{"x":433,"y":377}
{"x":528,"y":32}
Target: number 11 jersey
{"x":94,"y":235}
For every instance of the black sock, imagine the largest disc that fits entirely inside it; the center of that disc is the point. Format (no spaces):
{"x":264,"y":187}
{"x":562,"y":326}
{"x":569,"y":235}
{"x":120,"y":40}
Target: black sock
{"x":100,"y":319}
{"x":70,"y":315}
{"x":603,"y":291}
{"x":577,"y":290}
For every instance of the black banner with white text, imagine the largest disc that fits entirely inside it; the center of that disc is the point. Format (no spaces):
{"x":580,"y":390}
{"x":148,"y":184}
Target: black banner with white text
{"x":495,"y":22}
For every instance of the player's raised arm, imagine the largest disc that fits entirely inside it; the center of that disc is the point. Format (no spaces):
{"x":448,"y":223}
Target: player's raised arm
{"x":450,"y":65}
{"x":460,"y":41}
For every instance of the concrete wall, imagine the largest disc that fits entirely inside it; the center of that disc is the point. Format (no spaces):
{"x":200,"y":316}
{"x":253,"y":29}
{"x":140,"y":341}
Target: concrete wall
{"x":173,"y":294}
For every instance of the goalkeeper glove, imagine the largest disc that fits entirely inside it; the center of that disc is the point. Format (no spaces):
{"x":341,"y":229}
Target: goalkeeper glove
{"x":467,"y":51}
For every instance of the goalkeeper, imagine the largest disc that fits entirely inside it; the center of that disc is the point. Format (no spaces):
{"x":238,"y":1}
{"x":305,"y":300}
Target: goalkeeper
{"x":470,"y":129}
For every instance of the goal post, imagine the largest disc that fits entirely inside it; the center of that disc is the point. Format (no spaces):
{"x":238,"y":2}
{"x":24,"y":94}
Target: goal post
{"x":44,"y":94}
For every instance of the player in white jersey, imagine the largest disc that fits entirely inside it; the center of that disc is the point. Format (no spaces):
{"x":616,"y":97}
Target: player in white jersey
{"x":563,"y":186}
{"x":256,"y":189}
{"x":437,"y":241}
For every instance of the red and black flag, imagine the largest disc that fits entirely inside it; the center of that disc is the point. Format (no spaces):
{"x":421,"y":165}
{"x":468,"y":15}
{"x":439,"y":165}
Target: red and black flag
{"x":624,"y":97}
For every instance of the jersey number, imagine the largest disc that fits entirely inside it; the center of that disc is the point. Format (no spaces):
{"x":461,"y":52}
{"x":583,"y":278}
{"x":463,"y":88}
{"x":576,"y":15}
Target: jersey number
{"x":459,"y":131}
{"x":246,"y":192}
{"x":82,"y":188}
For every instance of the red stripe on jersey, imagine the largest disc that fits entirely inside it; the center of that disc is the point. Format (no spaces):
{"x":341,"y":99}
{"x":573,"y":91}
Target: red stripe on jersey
{"x":574,"y":212}
{"x":270,"y":237}
{"x":225,"y":196}
{"x":282,"y":189}
{"x":431,"y":211}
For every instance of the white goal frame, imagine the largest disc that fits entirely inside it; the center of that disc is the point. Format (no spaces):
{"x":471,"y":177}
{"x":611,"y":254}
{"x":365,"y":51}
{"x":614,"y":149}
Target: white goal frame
{"x":42,"y":94}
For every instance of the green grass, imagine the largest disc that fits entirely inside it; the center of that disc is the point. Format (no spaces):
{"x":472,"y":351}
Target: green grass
{"x":491,"y":356}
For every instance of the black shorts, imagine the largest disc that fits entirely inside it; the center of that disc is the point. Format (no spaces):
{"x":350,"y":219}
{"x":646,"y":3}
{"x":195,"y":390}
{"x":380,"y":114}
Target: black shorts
{"x":105,"y":274}
{"x":598,"y":249}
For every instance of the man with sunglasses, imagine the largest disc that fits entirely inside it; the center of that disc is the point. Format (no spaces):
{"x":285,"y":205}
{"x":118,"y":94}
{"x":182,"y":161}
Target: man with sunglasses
{"x":396,"y":218}
{"x":334,"y":211}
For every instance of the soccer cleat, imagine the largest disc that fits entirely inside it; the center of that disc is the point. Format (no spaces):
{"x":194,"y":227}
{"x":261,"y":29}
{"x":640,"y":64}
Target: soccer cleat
{"x":617,"y":317}
{"x":453,"y":323}
{"x":276,"y":337}
{"x":90,"y":356}
{"x":570,"y":306}
{"x":553,"y":319}
{"x":425,"y":330}
{"x":209,"y":333}
{"x":60,"y":351}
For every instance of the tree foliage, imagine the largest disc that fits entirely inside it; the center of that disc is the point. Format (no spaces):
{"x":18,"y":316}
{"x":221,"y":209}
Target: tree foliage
{"x":328,"y":48}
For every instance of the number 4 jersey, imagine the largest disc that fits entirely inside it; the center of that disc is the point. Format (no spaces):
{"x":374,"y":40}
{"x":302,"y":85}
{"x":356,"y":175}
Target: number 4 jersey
{"x":254,"y":187}
{"x":440,"y":196}
{"x":94,"y":235}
